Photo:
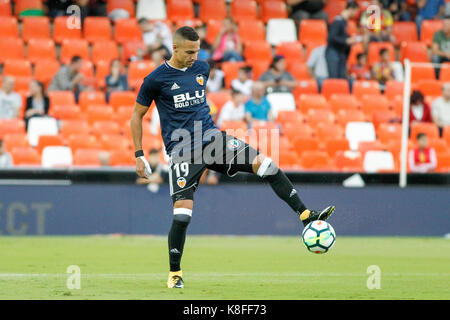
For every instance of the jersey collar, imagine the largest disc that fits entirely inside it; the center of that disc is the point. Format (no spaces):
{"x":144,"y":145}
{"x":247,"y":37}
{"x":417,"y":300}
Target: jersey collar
{"x":183,"y":69}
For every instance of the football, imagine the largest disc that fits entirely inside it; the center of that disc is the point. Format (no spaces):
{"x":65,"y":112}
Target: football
{"x":318,"y":236}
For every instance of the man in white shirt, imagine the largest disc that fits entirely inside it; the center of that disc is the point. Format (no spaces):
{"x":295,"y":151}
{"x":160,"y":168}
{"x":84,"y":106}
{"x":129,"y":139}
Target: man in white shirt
{"x":440,"y":108}
{"x":243,"y":82}
{"x":5,"y":157}
{"x":157,"y":36}
{"x":233,"y":110}
{"x":10,"y":101}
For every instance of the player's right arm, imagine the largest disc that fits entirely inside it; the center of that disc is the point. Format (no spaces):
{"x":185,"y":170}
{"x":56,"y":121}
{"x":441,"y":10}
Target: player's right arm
{"x":136,"y":131}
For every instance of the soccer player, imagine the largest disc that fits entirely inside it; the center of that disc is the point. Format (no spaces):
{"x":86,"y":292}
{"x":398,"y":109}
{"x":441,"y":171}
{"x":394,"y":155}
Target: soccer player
{"x":194,"y":143}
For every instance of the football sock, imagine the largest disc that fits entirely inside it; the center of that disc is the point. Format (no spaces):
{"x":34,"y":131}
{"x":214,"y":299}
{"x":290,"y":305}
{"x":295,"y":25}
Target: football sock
{"x":282,"y":186}
{"x":177,"y":236}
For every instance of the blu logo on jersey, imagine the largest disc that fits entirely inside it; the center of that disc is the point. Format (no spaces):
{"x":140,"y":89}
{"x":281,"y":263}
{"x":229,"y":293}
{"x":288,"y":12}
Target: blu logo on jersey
{"x":185,"y":100}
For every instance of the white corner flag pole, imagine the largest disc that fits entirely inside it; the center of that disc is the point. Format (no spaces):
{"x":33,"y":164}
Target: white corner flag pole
{"x":405,"y":125}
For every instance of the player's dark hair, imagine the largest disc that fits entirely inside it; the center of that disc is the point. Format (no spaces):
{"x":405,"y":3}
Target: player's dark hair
{"x":420,"y":135}
{"x":75,"y":59}
{"x":187,"y":33}
{"x":41,"y":86}
{"x":417,"y":97}
{"x":352,"y":5}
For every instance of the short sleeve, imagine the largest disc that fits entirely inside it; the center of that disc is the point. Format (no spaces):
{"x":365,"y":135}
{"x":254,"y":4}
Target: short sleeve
{"x":207,"y":70}
{"x":147,"y":92}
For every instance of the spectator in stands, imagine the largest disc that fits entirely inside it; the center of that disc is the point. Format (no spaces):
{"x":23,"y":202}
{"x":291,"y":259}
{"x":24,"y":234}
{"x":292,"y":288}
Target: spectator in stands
{"x":38,"y":103}
{"x":317,"y":65}
{"x":58,"y":8}
{"x":422,"y":159}
{"x":258,"y":107}
{"x":116,"y":80}
{"x":216,"y":77}
{"x":429,"y":10}
{"x":205,"y":47}
{"x":10,"y":101}
{"x":5,"y":157}
{"x":243,"y":83}
{"x":157,"y":36}
{"x":339,"y":42}
{"x":228,"y":46}
{"x":157,"y":58}
{"x":383,"y":70}
{"x":233,"y":110}
{"x":277,"y":79}
{"x":360,"y":70}
{"x":377,"y":30}
{"x":159,"y":171}
{"x":307,"y":9}
{"x":398,"y":9}
{"x":440,"y":108}
{"x":69,"y":78}
{"x":440,"y":48}
{"x":419,"y":111}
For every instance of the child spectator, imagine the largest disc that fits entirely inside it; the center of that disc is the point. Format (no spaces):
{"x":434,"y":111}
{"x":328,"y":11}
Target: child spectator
{"x":419,"y":111}
{"x":243,"y":83}
{"x":383,"y":71}
{"x":360,"y":70}
{"x":37,"y":103}
{"x":216,"y":78}
{"x":422,"y":159}
{"x":232,"y":110}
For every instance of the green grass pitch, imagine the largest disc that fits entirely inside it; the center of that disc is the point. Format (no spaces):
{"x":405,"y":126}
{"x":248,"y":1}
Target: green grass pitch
{"x":230,"y":267}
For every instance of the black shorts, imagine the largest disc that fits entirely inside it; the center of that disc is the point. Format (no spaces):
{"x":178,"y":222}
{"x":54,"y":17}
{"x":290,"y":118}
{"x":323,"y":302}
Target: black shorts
{"x":225,"y":154}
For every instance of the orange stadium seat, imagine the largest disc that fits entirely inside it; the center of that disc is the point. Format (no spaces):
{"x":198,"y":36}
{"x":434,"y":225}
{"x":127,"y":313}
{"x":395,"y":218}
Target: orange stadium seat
{"x":393,"y":89}
{"x":138,"y":70}
{"x":86,"y":157}
{"x":397,"y":105}
{"x":422,"y":72}
{"x":74,"y":127}
{"x":430,"y":87}
{"x":22,"y":5}
{"x":127,"y":30}
{"x":251,"y":30}
{"x":62,"y":32}
{"x":315,"y":117}
{"x":129,"y":49}
{"x":193,"y":23}
{"x":119,"y":158}
{"x":25,"y":156}
{"x":443,"y":162}
{"x":374,"y":51}
{"x":313,"y":31}
{"x":11,"y":126}
{"x":335,"y":86}
{"x":22,"y":85}
{"x":5,"y":8}
{"x":9,"y":27}
{"x":348,"y":161}
{"x":213,"y":28}
{"x":219,"y":98}
{"x":444,"y":75}
{"x":105,"y":127}
{"x":61,"y":97}
{"x":88,"y":98}
{"x":244,"y":10}
{"x":389,"y":131}
{"x":333,"y":145}
{"x":49,"y":140}
{"x":299,"y":71}
{"x":404,"y":31}
{"x":96,"y":29}
{"x":258,"y":50}
{"x":35,"y":28}
{"x":362,"y":87}
{"x":288,"y":160}
{"x":114,"y":142}
{"x":327,"y":131}
{"x":439,"y":145}
{"x":446,"y":134}
{"x":104,"y":51}
{"x":383,"y":116}
{"x":355,"y":49}
{"x":342,"y":101}
{"x":231,"y":70}
{"x":122,"y":98}
{"x":180,"y":9}
{"x":66,"y":112}
{"x":414,"y":51}
{"x":127,"y":5}
{"x":292,"y":130}
{"x":306,"y":87}
{"x":284,"y":117}
{"x":258,"y":67}
{"x":82,"y":141}
{"x":100,"y":113}
{"x":17,"y":68}
{"x":311,"y":101}
{"x":11,"y":48}
{"x":428,"y":29}
{"x":430,"y":129}
{"x":316,"y":160}
{"x":212,"y":10}
{"x":123,"y":114}
{"x":44,"y":70}
{"x":334,"y":8}
{"x":302,"y":144}
{"x":346,"y":115}
{"x":12,"y":140}
{"x":234,"y":125}
{"x":74,"y":47}
{"x":41,"y":49}
{"x":374,"y":102}
{"x":271,"y":9}
{"x":291,"y":51}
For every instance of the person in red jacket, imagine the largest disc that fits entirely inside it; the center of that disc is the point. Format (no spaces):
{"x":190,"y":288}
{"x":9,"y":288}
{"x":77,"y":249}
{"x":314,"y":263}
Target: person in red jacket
{"x":419,"y":111}
{"x":423,"y":158}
